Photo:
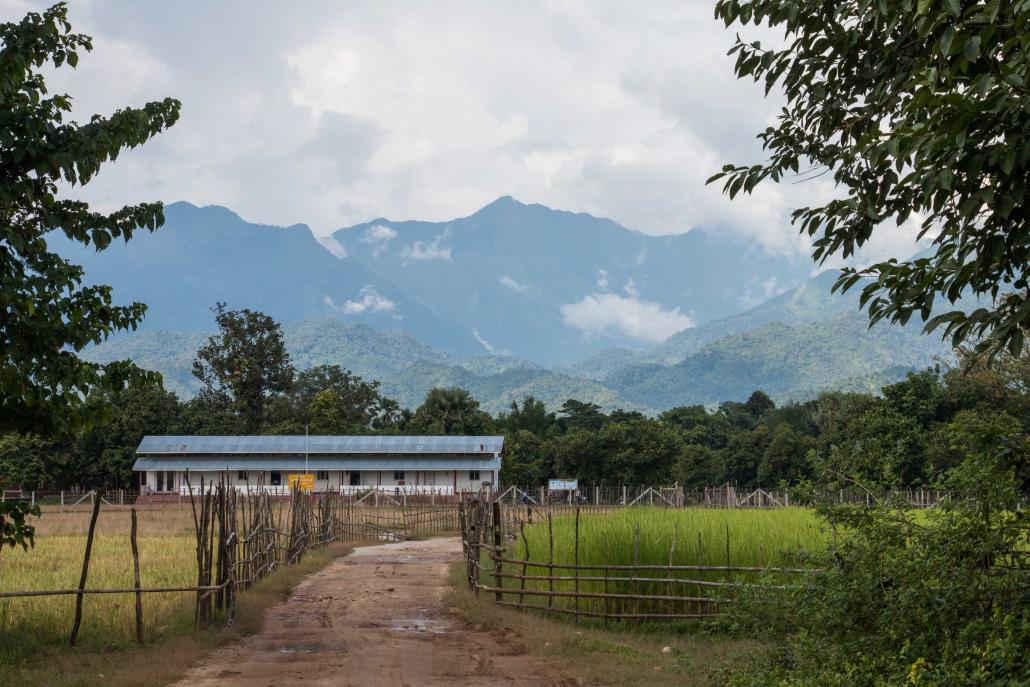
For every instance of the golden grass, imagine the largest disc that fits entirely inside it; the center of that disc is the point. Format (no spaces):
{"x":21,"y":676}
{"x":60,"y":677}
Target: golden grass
{"x":165,"y":661}
{"x":167,"y":549}
{"x":153,"y":521}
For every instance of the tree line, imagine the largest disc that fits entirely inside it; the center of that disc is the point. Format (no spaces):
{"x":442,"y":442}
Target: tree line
{"x":907,"y":437}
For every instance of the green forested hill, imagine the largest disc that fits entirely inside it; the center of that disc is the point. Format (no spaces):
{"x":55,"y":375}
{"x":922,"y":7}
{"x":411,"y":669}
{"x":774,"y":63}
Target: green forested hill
{"x":406,"y":367}
{"x":787,"y":361}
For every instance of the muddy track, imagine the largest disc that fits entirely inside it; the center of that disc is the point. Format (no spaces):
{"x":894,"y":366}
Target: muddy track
{"x":375,"y":617}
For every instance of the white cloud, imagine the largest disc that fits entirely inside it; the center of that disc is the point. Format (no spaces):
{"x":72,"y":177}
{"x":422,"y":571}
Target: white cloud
{"x":630,"y":287}
{"x":750,"y":297}
{"x":599,"y":313}
{"x":368,"y":300}
{"x":333,"y":113}
{"x":432,"y":250}
{"x":602,"y":279}
{"x":509,"y":281}
{"x":486,"y":344}
{"x":334,"y":246}
{"x":378,"y":233}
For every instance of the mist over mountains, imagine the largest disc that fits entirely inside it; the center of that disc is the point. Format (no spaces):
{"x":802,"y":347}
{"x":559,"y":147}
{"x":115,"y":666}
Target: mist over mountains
{"x":510,"y":301}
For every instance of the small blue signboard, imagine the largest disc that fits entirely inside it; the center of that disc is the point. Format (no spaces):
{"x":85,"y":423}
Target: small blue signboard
{"x":562,"y":484}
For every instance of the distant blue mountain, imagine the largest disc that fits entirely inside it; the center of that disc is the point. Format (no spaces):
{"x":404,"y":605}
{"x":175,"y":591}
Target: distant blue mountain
{"x":506,"y":271}
{"x":493,"y":282}
{"x":209,"y":254}
{"x":420,"y":304}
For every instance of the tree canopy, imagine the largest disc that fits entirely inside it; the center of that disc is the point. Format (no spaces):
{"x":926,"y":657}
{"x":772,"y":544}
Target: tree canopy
{"x":46,"y":315}
{"x":917,"y":109}
{"x":243,"y":364}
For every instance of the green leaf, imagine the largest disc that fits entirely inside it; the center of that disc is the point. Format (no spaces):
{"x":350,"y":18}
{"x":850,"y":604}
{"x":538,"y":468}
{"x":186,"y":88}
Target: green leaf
{"x":946,"y":38}
{"x":972,"y":48}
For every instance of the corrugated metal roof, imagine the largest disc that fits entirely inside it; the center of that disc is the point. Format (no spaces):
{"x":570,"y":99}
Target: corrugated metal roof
{"x":297,"y":463}
{"x":320,"y":444}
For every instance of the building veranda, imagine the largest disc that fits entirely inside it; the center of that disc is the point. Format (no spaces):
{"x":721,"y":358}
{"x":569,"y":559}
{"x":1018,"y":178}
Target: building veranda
{"x":443,"y":465}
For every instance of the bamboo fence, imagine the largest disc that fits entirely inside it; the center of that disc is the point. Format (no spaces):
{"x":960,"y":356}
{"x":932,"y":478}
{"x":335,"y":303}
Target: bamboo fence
{"x":493,"y":535}
{"x":243,"y":537}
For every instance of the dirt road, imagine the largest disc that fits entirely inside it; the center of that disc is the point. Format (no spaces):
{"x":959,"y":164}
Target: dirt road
{"x":374,"y":617}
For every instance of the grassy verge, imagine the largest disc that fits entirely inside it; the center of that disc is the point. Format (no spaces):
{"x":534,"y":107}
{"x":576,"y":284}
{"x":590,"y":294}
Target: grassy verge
{"x":168,"y":658}
{"x":621,"y":655}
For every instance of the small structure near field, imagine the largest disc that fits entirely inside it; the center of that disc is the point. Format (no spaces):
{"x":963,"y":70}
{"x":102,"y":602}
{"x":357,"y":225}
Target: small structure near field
{"x":346,"y":464}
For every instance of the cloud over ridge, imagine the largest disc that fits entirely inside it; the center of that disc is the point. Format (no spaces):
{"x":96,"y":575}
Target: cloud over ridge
{"x":600,"y":313}
{"x":368,"y":300}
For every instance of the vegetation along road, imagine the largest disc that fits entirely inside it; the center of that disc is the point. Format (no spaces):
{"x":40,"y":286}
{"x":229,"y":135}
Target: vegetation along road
{"x":375,"y":617}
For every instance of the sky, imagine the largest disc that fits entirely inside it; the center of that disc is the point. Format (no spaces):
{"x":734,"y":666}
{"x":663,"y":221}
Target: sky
{"x":335,"y":113}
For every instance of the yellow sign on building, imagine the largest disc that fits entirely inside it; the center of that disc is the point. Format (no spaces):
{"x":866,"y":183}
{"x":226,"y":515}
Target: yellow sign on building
{"x":301,"y":481}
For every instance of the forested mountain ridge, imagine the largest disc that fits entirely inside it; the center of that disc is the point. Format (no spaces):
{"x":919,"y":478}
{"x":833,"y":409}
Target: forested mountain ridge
{"x":506,"y":279}
{"x":422,"y":304}
{"x":510,"y":270}
{"x":209,"y":254}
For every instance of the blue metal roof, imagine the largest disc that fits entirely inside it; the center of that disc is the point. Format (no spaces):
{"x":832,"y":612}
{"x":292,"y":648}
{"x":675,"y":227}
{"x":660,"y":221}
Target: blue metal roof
{"x":285,"y":463}
{"x":299,"y":444}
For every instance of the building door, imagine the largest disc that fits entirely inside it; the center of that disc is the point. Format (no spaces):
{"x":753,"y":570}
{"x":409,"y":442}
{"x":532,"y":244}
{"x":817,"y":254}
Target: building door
{"x":429,"y":478}
{"x":355,"y":478}
{"x":165,"y":480}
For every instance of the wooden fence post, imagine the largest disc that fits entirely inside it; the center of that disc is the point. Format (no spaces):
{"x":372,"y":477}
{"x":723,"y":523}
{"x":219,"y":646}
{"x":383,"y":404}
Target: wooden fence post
{"x":550,"y":562}
{"x":85,"y":572}
{"x":576,"y":569}
{"x":135,"y":574}
{"x":497,"y":552}
{"x":525,"y":563}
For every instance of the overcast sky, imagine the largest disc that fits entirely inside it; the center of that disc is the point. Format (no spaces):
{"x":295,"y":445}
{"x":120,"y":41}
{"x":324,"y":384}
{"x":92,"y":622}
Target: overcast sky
{"x":334,"y":113}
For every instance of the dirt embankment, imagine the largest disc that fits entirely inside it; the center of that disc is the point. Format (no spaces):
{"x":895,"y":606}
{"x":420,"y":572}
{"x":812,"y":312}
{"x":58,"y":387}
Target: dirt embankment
{"x":374,"y":617}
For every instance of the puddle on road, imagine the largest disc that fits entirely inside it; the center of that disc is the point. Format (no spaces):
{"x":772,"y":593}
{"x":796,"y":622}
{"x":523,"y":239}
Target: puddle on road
{"x":419,"y":626}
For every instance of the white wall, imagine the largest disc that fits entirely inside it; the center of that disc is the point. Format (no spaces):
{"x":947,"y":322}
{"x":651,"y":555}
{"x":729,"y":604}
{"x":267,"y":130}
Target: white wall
{"x":424,"y":479}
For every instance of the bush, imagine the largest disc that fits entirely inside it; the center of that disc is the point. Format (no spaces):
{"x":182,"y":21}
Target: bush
{"x":910,"y":597}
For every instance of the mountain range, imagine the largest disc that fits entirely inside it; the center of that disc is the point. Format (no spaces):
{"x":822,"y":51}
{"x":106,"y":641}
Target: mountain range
{"x":510,"y":301}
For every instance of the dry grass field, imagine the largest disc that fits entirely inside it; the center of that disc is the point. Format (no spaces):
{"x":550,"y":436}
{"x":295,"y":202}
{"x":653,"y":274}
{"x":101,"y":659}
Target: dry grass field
{"x":167,"y":558}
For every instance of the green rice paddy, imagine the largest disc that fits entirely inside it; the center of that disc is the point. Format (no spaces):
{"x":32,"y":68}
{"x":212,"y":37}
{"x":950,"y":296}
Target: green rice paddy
{"x":720,"y":538}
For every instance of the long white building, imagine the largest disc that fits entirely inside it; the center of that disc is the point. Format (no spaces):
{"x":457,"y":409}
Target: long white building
{"x":348,"y":464}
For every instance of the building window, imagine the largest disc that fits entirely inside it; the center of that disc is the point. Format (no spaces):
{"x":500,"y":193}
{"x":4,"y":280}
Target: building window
{"x":322,"y":475}
{"x":355,"y":479}
{"x":474,"y":475}
{"x":398,"y":475}
{"x":241,"y":475}
{"x":275,"y":478}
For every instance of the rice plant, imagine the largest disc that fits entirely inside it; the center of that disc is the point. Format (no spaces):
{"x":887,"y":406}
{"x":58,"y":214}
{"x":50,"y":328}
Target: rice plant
{"x":721,"y":538}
